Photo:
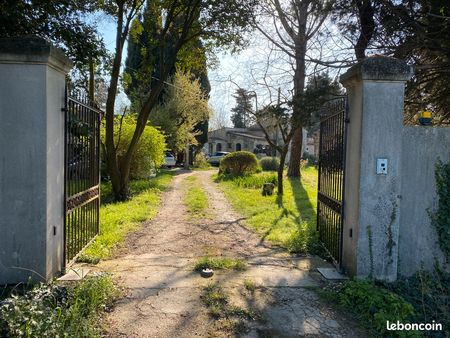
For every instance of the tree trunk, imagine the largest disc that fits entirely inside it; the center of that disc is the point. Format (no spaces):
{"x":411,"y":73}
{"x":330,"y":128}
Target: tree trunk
{"x":299,"y":86}
{"x":296,"y":153}
{"x":367,"y":27}
{"x":91,"y":81}
{"x":186,"y":156}
{"x":281,"y":170}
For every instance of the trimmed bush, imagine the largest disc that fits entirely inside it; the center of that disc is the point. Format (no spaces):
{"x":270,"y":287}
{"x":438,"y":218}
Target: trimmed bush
{"x":239,"y":163}
{"x":269,"y":163}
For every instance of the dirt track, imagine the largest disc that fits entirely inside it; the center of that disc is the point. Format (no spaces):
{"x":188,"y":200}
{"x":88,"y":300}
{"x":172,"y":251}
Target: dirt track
{"x":164,"y":294}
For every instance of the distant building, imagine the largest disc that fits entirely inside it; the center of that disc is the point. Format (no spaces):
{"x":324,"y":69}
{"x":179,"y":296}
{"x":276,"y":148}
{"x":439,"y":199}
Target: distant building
{"x":235,"y":139}
{"x":250,"y":139}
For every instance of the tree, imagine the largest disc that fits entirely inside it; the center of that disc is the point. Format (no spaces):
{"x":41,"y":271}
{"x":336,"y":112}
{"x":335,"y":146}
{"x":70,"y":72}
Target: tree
{"x":295,"y":24}
{"x":178,"y":22}
{"x":61,"y":22}
{"x":240,"y":116}
{"x":277,"y":118}
{"x":320,"y":88}
{"x":140,"y":65}
{"x":183,"y":107}
{"x":150,"y":151}
{"x":415,"y":31}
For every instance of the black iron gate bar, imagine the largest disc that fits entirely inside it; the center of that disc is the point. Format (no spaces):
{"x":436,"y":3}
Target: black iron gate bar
{"x":332,"y":178}
{"x":82,"y":174}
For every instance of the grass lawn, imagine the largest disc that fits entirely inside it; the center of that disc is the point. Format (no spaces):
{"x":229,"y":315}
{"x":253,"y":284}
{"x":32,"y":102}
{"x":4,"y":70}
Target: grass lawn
{"x":195,"y":199}
{"x":119,"y":218}
{"x":290,"y":222}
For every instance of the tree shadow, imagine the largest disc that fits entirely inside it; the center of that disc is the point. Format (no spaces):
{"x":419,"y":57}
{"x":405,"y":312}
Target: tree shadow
{"x":303,"y":202}
{"x":305,"y":238}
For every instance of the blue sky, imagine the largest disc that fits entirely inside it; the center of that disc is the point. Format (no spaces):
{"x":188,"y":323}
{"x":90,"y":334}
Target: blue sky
{"x":258,"y":68}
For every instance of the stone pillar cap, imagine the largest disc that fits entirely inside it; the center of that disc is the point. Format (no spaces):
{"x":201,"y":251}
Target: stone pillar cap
{"x":34,"y":50}
{"x":379,"y":67}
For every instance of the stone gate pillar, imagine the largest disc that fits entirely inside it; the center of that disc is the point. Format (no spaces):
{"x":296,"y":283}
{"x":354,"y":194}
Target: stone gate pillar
{"x":32,"y":82}
{"x":375,"y":89}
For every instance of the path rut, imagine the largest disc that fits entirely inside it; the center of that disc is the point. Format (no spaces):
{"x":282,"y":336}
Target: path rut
{"x":163,"y":294}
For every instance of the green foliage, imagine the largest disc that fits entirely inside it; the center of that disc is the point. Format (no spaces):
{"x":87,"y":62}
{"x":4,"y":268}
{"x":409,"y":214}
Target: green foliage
{"x":440,"y":218}
{"x":119,"y":218}
{"x":373,"y":305}
{"x":60,"y":21}
{"x":58,"y":311}
{"x":220,"y":263}
{"x":289,"y":222}
{"x":184,"y":107}
{"x":239,"y":163}
{"x":429,"y":293}
{"x":200,"y":161}
{"x":269,"y":163}
{"x":241,"y":113}
{"x":149,"y":153}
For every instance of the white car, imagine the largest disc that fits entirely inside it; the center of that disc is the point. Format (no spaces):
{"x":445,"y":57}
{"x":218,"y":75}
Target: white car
{"x":216,"y":157}
{"x":169,"y":160}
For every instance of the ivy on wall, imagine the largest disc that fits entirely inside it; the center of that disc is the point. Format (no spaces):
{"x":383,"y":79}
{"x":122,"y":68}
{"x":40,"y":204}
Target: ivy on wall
{"x":440,"y":218}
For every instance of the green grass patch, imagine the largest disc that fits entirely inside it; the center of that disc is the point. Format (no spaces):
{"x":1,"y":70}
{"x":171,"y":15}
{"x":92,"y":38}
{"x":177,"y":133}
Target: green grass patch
{"x":195,"y":199}
{"x":217,"y":301}
{"x":58,"y":311}
{"x":220,"y":263}
{"x":117,"y":219}
{"x":250,"y":285}
{"x":289,"y":222}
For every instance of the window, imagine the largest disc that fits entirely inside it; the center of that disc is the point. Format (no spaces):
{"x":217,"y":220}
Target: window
{"x":238,"y":147}
{"x":219,"y":147}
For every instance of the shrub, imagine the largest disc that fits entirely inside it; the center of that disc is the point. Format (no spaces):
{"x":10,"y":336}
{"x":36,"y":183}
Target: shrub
{"x":239,"y":163}
{"x":312,"y":160}
{"x":269,"y":163}
{"x":149,"y":153}
{"x":200,"y":160}
{"x":429,"y":293}
{"x":440,"y":218}
{"x":57,"y":311}
{"x":374,"y":305}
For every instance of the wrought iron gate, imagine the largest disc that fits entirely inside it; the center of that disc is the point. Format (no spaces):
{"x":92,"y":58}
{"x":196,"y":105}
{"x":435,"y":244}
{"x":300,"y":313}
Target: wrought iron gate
{"x":82,"y":174}
{"x":330,"y":204}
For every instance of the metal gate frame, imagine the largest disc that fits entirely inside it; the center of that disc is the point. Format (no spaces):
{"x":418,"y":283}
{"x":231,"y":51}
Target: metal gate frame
{"x":81,"y":174}
{"x":331,"y":182}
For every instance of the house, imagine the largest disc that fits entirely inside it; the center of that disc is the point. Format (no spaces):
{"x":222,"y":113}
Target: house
{"x":250,"y":139}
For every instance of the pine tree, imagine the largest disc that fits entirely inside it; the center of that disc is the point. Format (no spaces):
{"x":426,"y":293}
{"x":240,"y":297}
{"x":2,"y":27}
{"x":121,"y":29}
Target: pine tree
{"x":242,"y":110}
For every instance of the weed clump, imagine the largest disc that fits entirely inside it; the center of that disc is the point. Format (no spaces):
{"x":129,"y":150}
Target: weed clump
{"x":58,"y":311}
{"x":220,"y":263}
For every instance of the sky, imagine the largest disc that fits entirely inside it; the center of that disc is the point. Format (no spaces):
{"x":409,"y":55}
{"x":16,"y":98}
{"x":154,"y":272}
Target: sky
{"x":247,"y":69}
{"x":221,"y":99}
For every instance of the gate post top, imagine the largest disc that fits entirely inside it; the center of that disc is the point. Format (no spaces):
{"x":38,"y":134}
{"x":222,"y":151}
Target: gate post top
{"x":378,"y":67}
{"x":34,"y":50}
